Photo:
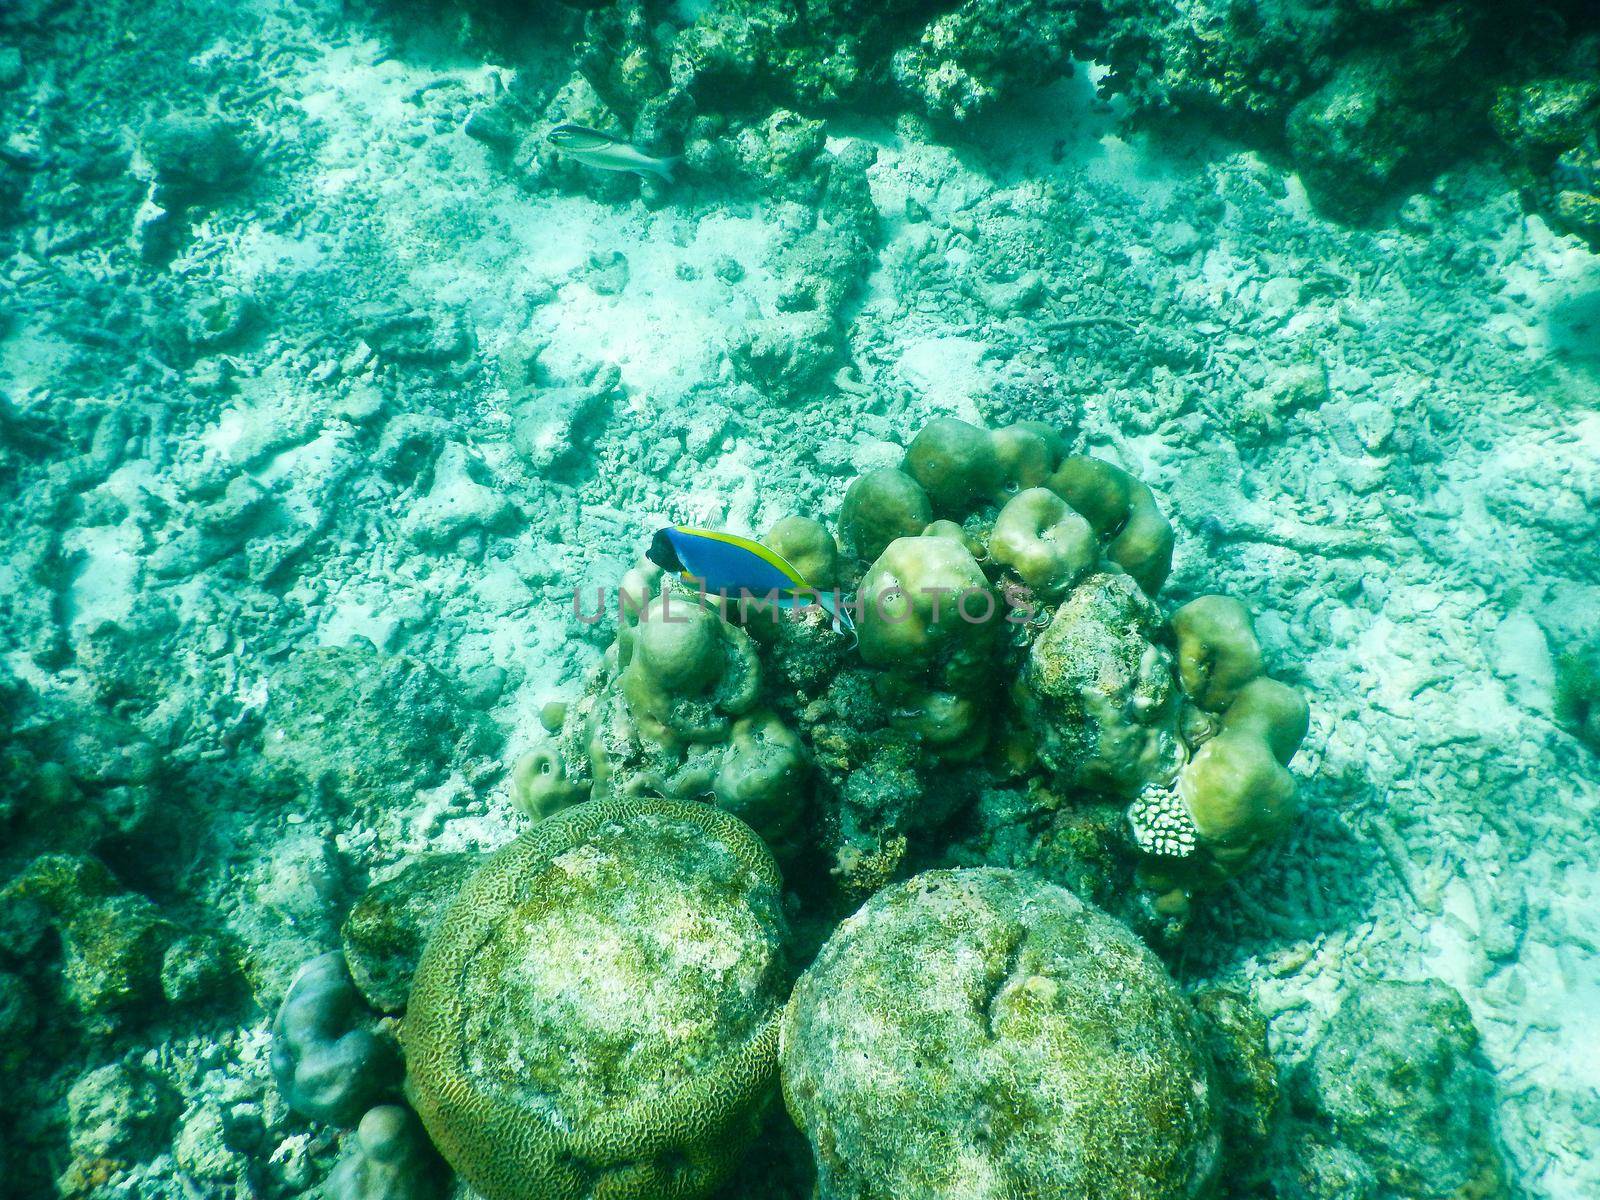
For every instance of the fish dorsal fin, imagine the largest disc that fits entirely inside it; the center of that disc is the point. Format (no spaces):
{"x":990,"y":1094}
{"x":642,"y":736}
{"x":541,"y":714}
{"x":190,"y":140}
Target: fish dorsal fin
{"x":580,"y":137}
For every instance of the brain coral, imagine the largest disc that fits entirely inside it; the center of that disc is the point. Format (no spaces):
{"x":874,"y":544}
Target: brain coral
{"x":596,"y":1015}
{"x":983,"y":1035}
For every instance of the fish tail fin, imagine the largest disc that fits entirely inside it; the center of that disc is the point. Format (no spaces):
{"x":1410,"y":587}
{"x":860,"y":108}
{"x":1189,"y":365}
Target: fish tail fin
{"x":664,"y":167}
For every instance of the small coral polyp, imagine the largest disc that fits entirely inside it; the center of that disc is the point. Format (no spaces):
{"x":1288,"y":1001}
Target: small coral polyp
{"x":1005,"y":603}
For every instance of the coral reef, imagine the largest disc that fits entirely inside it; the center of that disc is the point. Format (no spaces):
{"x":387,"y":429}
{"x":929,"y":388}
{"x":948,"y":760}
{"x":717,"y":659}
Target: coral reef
{"x":1363,"y":99}
{"x":1097,"y":690}
{"x":597,"y":1012}
{"x":950,"y":556}
{"x":1578,"y":692}
{"x":981,"y":1033}
{"x":326,"y":381}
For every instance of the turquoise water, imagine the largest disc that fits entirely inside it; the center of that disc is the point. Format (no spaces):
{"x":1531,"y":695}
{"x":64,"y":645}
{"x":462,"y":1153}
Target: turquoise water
{"x":1190,"y":408}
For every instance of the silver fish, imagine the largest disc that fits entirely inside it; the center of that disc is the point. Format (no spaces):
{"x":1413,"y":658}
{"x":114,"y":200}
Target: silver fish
{"x":596,"y":149}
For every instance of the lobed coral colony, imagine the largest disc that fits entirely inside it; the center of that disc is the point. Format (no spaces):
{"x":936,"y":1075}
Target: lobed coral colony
{"x":1008,"y":629}
{"x":606,"y":1007}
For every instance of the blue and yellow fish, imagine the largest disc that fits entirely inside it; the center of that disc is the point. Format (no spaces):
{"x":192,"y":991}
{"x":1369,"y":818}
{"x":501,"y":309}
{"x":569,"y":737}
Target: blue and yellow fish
{"x":728,"y":565}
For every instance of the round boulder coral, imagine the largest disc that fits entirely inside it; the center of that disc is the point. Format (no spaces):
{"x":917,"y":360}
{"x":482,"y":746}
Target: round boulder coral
{"x":596,"y":1015}
{"x":928,"y":610}
{"x":688,"y":673}
{"x":879,"y":507}
{"x":985,"y":1035}
{"x":1124,"y":513}
{"x":957,"y":464}
{"x":1049,"y":546}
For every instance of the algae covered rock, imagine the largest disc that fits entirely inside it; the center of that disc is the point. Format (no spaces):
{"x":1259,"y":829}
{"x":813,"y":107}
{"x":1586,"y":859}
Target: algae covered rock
{"x":384,"y":934}
{"x":979,"y":1033}
{"x":112,"y":1109}
{"x":112,"y":940}
{"x":597,"y":1013}
{"x":368,"y":727}
{"x":1399,"y":1085}
{"x":1097,"y":690}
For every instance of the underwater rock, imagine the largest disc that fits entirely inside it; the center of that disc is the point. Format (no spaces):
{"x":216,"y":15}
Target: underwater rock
{"x":1098,"y":692}
{"x":328,"y":1060}
{"x":19,"y":1017}
{"x":979,"y":1032}
{"x":1367,"y":99}
{"x":1398,"y":1083}
{"x":197,"y":969}
{"x":459,"y":502}
{"x":550,"y":426}
{"x":602,"y":1001}
{"x":112,"y":940}
{"x":965,"y":60}
{"x":203,"y":1147}
{"x":193,"y":157}
{"x":388,"y":1157}
{"x":1366,"y":130}
{"x":363,"y":727}
{"x":788,"y":352}
{"x":117,"y":1117}
{"x":115,"y":1112}
{"x":384,"y":934}
{"x":414,"y":336}
{"x":1244,"y":1076}
{"x":90,"y":778}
